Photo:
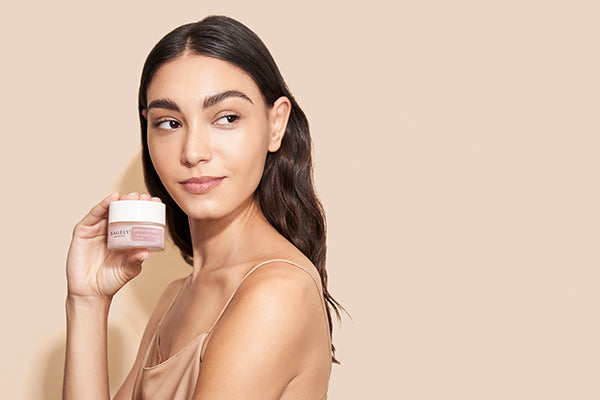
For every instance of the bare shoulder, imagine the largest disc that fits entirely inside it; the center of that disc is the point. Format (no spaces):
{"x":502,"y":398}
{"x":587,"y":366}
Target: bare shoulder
{"x":171,"y":291}
{"x":165,"y":300}
{"x":277,"y":294}
{"x":280,"y":277}
{"x":162,"y":306}
{"x":168,"y":295}
{"x":267,"y":334}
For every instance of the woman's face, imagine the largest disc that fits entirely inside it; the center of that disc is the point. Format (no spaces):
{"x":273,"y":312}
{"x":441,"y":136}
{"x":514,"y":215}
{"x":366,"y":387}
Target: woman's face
{"x":209,"y":132}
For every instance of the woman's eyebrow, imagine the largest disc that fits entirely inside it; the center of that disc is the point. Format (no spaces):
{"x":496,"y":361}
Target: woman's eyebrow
{"x":167,"y":104}
{"x":210,"y":101}
{"x":216,"y":98}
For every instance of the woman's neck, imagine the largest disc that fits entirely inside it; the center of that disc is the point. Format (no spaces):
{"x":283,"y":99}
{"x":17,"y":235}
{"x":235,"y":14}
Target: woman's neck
{"x":226,"y":241}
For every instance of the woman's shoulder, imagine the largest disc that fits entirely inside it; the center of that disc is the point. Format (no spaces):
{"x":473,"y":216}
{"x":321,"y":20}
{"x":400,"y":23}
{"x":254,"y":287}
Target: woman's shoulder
{"x":278,"y":293}
{"x":268,"y":332}
{"x":276,"y":310}
{"x":166,"y":299}
{"x":281,"y":276}
{"x":172,"y":290}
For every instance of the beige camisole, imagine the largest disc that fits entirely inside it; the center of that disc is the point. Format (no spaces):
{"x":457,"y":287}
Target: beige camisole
{"x":175,"y":378}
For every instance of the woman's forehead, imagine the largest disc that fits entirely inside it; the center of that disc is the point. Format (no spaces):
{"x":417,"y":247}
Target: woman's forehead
{"x":197,"y":76}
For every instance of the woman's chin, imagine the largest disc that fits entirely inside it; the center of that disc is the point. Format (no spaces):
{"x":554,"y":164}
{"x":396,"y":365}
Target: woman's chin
{"x":204,"y":214}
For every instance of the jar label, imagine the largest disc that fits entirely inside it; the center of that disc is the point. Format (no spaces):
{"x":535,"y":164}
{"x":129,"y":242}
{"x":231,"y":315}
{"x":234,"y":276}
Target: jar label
{"x":146,"y":234}
{"x":126,"y":236}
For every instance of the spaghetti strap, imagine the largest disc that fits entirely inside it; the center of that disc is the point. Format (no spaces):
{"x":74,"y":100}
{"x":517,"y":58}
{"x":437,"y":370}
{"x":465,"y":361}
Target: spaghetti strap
{"x":154,"y":342}
{"x":203,"y":347}
{"x":244,"y":278}
{"x":173,"y":301}
{"x":156,"y":339}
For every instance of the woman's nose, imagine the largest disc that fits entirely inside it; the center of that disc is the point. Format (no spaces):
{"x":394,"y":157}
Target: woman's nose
{"x":196,"y":147}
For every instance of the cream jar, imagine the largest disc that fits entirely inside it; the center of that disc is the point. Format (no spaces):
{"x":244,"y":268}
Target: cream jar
{"x":136,"y":224}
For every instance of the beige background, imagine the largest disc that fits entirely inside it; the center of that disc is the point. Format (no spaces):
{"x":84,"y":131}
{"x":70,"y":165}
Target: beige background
{"x":456,"y":155}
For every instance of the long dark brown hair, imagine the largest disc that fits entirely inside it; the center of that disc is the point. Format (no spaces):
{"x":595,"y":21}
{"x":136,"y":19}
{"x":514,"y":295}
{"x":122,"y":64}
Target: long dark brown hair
{"x":286,"y":192}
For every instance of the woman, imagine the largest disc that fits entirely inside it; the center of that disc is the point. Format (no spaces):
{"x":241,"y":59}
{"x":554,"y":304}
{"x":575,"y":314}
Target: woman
{"x":228,"y":150}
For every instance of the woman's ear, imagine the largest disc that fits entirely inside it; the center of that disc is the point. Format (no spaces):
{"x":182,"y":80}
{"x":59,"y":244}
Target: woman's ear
{"x":145,"y":114}
{"x":279,"y":115}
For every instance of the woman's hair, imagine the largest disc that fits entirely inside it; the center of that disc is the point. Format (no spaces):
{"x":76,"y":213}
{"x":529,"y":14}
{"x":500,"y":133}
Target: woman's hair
{"x":285,"y":193}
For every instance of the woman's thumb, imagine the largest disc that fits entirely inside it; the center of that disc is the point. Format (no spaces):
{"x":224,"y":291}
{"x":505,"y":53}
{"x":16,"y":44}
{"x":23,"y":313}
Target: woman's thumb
{"x":133,"y":263}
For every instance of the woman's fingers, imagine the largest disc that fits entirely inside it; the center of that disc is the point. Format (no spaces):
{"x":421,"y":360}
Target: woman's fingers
{"x":99,"y":211}
{"x":133,"y":263}
{"x":138,"y":196}
{"x":131,"y":196}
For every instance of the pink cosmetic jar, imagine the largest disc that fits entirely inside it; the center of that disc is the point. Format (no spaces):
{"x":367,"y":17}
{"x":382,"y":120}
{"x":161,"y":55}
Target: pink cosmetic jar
{"x":136,"y":223}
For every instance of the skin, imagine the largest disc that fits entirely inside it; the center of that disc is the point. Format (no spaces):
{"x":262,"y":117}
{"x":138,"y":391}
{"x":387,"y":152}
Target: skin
{"x":273,"y":340}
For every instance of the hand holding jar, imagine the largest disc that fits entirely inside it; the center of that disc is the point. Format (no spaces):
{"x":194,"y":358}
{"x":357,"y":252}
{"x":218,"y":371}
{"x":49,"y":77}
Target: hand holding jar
{"x":94,"y":270}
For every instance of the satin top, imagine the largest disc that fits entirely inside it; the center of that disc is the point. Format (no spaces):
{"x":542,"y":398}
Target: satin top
{"x":175,"y":378}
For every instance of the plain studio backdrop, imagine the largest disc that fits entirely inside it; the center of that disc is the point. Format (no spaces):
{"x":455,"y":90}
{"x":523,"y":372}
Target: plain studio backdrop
{"x":456,"y":154}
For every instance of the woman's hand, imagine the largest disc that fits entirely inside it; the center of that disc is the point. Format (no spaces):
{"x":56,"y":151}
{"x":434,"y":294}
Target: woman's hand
{"x":94,"y":271}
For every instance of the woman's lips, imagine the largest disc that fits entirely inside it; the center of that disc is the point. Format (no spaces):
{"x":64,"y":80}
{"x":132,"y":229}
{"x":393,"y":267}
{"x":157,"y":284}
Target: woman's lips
{"x":201,"y":185}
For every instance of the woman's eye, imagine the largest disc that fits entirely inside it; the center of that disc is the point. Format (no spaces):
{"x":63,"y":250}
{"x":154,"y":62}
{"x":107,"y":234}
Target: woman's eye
{"x":227,"y":119}
{"x":167,"y":124}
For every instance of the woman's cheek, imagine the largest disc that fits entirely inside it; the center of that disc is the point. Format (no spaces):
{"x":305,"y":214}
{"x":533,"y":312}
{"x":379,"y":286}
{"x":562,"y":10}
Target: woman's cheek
{"x":160,"y":153}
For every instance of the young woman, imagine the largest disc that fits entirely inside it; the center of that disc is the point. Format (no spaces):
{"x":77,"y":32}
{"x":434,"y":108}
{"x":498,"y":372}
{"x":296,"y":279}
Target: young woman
{"x":228,"y":150}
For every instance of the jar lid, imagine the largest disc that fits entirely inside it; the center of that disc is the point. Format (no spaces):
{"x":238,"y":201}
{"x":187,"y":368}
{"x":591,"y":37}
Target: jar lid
{"x":136,"y":211}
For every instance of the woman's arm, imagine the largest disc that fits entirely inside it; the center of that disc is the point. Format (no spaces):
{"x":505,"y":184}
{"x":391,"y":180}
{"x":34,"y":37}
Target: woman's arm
{"x":86,"y":371}
{"x":261,"y":343}
{"x":94,"y":275}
